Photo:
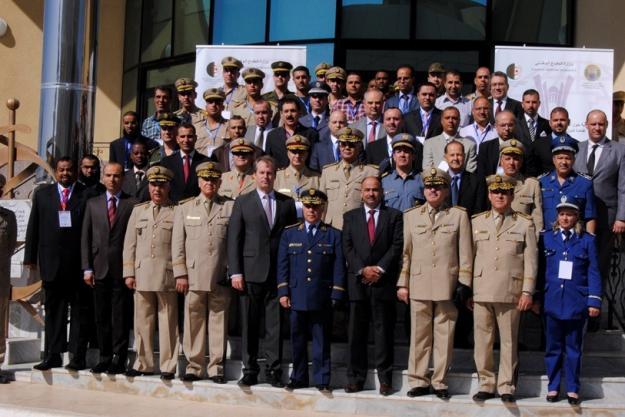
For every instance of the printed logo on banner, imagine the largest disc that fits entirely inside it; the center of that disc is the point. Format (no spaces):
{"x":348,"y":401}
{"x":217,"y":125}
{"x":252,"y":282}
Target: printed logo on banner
{"x":213,"y":69}
{"x":592,"y":72}
{"x":513,"y":71}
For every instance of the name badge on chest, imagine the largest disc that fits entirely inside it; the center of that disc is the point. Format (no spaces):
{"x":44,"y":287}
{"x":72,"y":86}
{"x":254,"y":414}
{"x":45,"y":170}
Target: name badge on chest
{"x":65,"y":218}
{"x":565,"y":271}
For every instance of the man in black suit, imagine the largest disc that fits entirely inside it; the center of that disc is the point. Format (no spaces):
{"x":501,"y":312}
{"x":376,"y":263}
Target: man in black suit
{"x":372,"y":245}
{"x":319,"y":114}
{"x":119,"y":149}
{"x":135,"y":180}
{"x":256,"y":225}
{"x":276,"y":139}
{"x":467,"y":189}
{"x":52,"y":243}
{"x":535,"y":133}
{"x":500,"y":100}
{"x":488,"y":156}
{"x":424,"y":122}
{"x":103,"y":231}
{"x":89,"y":175}
{"x":183,"y":162}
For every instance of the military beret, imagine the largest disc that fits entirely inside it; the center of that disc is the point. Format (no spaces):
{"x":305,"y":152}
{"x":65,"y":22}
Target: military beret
{"x":568,"y":203}
{"x":564,"y":143}
{"x":436,"y":67}
{"x":618,"y":96}
{"x":231,"y":62}
{"x":336,"y":72}
{"x":313,"y":197}
{"x":250,"y":73}
{"x":298,"y":142}
{"x":281,"y":66}
{"x":404,"y":139}
{"x":435,"y":177}
{"x":185,"y":84}
{"x":498,"y":182}
{"x":318,"y":87}
{"x":348,"y":134}
{"x":168,"y":119}
{"x":241,"y":145}
{"x":214,"y":93}
{"x":322,"y":68}
{"x":208,"y":169}
{"x":512,"y":147}
{"x":159,"y":174}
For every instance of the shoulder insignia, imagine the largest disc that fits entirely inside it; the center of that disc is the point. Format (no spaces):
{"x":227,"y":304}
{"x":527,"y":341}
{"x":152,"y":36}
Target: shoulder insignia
{"x":142,"y":204}
{"x":385,"y":174}
{"x":543,"y":175}
{"x":293,"y":225}
{"x":181,"y":202}
{"x":224,"y":198}
{"x":480,"y":214}
{"x":525,"y":216}
{"x":374,"y":166}
{"x":531,"y":179}
{"x":584,"y":176}
{"x":331,"y":165}
{"x":459,"y":208}
{"x":412,"y":208}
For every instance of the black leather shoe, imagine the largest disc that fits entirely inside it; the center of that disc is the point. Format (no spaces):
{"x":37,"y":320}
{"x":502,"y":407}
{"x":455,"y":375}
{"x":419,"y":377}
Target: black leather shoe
{"x":248,"y":380}
{"x":52,"y":361}
{"x":508,"y":398}
{"x":552,"y":398}
{"x":167,"y":376}
{"x":116,"y":369}
{"x":131,"y":373}
{"x":100,"y":367}
{"x":295,"y":385}
{"x":482,"y":396}
{"x":4,"y":379}
{"x":418,"y":392}
{"x":275,"y":381}
{"x":443,"y":394}
{"x":218,"y":379}
{"x":190,"y":377}
{"x":325,"y":389}
{"x":76,"y":365}
{"x":352,"y":388}
{"x":573,"y":400}
{"x":386,"y":389}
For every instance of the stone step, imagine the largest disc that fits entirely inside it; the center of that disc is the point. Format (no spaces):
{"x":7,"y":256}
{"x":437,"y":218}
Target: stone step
{"x":605,"y":398}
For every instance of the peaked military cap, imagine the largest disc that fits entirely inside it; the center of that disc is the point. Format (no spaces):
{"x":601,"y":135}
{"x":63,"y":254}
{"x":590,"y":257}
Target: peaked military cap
{"x":498,"y":182}
{"x":214,"y":93}
{"x":435,"y":177}
{"x":208,"y":169}
{"x":159,"y":174}
{"x":313,"y":197}
{"x":231,"y":62}
{"x":168,"y":119}
{"x":348,"y":134}
{"x":185,"y":84}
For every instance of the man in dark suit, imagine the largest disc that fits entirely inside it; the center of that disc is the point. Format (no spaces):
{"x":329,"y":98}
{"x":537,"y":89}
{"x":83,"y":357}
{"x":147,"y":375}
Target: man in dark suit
{"x":326,"y":151}
{"x":135,"y":179}
{"x":276,"y":139}
{"x":379,"y":150}
{"x":103,"y":231}
{"x":466,"y":189}
{"x":319,"y":114}
{"x":488,"y":156}
{"x":52,"y":243}
{"x":256,"y":225}
{"x":119,"y":149}
{"x":405,"y":99}
{"x":182,"y":163}
{"x":535,"y":133}
{"x":372,"y":245}
{"x":500,"y":100}
{"x":424,"y":122}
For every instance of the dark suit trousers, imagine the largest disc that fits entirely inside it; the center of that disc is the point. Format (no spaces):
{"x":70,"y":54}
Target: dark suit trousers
{"x":382,"y":314}
{"x":113,"y":316}
{"x":83,"y":328}
{"x":258,"y":302}
{"x":319,"y":325}
{"x":59,"y":295}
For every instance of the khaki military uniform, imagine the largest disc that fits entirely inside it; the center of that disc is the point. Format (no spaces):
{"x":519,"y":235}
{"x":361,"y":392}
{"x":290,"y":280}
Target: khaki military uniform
{"x":208,"y":141}
{"x":528,"y":200}
{"x":234,"y":184}
{"x":244,"y":109}
{"x":343,"y":192}
{"x":147,"y":258}
{"x":194,"y":116}
{"x":199,"y":253}
{"x":436,"y":255}
{"x":8,"y":241}
{"x":291,"y":182}
{"x":618,"y":130}
{"x":505,"y":266}
{"x":272,"y":96}
{"x":237,"y":94}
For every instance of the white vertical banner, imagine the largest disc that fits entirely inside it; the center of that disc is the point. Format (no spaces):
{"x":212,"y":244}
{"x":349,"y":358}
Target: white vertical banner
{"x":578,"y":79}
{"x":208,"y":70}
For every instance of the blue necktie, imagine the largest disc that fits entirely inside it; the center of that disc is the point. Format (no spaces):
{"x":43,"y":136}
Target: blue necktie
{"x":315,"y":123}
{"x":454,"y":190}
{"x":337,"y":152}
{"x":311,"y":232}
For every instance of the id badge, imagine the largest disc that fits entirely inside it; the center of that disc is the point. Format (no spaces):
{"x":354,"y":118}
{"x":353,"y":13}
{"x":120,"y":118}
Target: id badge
{"x":65,"y":218}
{"x":226,"y":114}
{"x":565,"y":271}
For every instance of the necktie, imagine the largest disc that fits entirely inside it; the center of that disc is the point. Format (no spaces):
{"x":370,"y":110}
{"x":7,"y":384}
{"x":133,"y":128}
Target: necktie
{"x":590,"y":165}
{"x":454,"y":190}
{"x":267,"y":207}
{"x":532,"y":128}
{"x":372,"y":132}
{"x":426,"y":123}
{"x":498,"y":221}
{"x":259,"y":137}
{"x":498,"y":109}
{"x":404,"y":104}
{"x":112,"y":210}
{"x":138,"y":178}
{"x":186,"y":167}
{"x":567,"y":235}
{"x":64,"y":198}
{"x":371,"y":226}
{"x":155,"y":210}
{"x":346,"y":169}
{"x":311,"y":232}
{"x":337,"y":152}
{"x":316,"y":121}
{"x":208,"y":205}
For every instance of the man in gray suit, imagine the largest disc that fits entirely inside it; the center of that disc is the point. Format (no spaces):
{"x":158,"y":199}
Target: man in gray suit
{"x":604,"y":161}
{"x":434,"y":147}
{"x":371,"y":123}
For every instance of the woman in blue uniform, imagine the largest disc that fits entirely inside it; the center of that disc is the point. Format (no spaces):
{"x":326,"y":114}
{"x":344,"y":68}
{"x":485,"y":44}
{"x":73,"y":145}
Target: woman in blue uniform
{"x":572,"y":293}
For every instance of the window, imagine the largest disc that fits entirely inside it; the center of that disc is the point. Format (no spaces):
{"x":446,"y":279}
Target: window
{"x":376,"y":19}
{"x":302,"y":19}
{"x":451,"y":19}
{"x":191,"y":25}
{"x":317,"y":53}
{"x":239,"y":21}
{"x":156,"y":30}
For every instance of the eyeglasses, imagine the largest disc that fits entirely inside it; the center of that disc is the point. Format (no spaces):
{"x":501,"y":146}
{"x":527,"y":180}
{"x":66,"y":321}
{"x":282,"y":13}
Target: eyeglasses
{"x":241,"y":154}
{"x":347,"y":144}
{"x":298,"y":151}
{"x":281,"y":74}
{"x":318,"y":96}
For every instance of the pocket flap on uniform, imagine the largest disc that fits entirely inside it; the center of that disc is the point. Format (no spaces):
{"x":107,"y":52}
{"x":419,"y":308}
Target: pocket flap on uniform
{"x":481,"y":235}
{"x":515,"y":237}
{"x":166,"y":224}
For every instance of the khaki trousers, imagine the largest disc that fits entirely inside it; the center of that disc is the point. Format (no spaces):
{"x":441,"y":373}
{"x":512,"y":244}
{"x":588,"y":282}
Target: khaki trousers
{"x":150,"y":305}
{"x":432,"y":324}
{"x":506,"y":317}
{"x":4,"y":325}
{"x":206,"y":312}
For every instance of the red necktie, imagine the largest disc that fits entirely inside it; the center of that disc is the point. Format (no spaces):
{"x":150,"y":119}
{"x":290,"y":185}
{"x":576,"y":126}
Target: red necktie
{"x":372,"y":132}
{"x":64,"y":199}
{"x":498,"y":109}
{"x":112,"y":211}
{"x":185,"y":167}
{"x":371,"y":226}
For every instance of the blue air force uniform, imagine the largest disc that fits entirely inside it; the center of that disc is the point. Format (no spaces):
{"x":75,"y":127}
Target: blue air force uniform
{"x":566,"y":302}
{"x":576,"y":187}
{"x":311,"y":271}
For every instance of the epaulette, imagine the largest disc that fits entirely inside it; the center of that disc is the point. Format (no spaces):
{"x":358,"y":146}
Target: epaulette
{"x":526,"y":216}
{"x":531,"y":178}
{"x":332,"y":164}
{"x":142,"y":204}
{"x":459,"y":208}
{"x":412,"y":208}
{"x":293,"y":225}
{"x":181,"y":202}
{"x":374,"y":166}
{"x":385,"y":174}
{"x":225,"y":198}
{"x":479,"y":214}
{"x":543,"y":175}
{"x":584,"y":176}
